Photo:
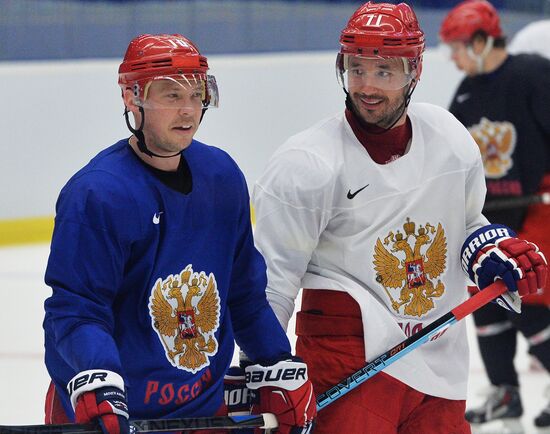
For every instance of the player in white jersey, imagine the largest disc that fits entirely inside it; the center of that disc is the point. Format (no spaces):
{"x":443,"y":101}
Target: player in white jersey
{"x":372,"y":212}
{"x":533,"y":38}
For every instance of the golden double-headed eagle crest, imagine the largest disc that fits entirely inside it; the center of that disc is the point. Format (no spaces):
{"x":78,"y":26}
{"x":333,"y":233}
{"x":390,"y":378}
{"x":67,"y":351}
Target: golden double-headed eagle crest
{"x":412,"y":266}
{"x":496,"y":141}
{"x":185,"y":313}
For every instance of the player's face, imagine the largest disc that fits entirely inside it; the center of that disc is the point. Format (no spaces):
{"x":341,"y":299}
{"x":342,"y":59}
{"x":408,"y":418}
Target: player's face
{"x":462,"y":58}
{"x":172,"y":114}
{"x":377,"y":103}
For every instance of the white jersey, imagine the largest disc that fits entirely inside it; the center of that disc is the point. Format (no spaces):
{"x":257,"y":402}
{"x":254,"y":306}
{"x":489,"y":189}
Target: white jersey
{"x":329,"y":217}
{"x":533,"y":38}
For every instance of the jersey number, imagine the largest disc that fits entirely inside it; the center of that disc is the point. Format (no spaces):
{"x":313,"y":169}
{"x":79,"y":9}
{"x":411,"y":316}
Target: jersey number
{"x":374,"y":20}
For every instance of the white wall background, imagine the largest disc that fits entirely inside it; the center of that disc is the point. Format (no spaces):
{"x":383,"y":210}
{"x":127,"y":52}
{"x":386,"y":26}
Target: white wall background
{"x":55,"y":116}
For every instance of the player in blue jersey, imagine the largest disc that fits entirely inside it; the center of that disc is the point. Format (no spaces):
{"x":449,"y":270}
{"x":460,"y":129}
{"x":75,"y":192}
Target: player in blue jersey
{"x":153,"y":267}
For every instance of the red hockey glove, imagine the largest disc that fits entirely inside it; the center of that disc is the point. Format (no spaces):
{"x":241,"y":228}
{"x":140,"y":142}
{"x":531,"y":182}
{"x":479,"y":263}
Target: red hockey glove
{"x":97,"y":396}
{"x":284,"y":390}
{"x":493,"y":252}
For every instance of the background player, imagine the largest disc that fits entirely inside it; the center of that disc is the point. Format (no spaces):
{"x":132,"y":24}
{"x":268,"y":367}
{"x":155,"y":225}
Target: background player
{"x":533,"y":38}
{"x":504,"y":101}
{"x":368,"y":212}
{"x":153,"y":267}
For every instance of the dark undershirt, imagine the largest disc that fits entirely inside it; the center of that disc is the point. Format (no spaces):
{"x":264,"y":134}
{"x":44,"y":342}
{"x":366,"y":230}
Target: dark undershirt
{"x":180,"y":180}
{"x":383,"y":146}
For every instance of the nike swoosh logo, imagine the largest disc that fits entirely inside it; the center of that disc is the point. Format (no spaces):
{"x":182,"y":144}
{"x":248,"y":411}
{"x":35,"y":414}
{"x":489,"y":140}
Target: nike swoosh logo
{"x":462,"y":97}
{"x":352,"y":195}
{"x":156,"y":218}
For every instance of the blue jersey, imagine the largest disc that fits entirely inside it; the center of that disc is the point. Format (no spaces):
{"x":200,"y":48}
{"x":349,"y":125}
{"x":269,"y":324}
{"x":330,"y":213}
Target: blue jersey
{"x":156,"y":285}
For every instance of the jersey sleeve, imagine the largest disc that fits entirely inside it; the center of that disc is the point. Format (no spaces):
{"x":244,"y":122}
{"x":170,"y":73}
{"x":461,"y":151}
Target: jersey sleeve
{"x":257,"y":331}
{"x":292,"y":205}
{"x":475,"y":188}
{"x":86,"y":265}
{"x":540,"y":93}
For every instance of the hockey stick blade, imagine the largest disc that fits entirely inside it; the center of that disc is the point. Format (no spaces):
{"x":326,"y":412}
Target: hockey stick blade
{"x":264,"y":420}
{"x":516,"y":202}
{"x":381,"y":362}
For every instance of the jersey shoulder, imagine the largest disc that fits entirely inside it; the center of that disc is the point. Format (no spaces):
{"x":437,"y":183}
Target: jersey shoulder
{"x":106,"y":170}
{"x":202,"y":152}
{"x":214,"y":164}
{"x":319,"y":146}
{"x":530,"y":68}
{"x":316,"y":140}
{"x":104,"y":192}
{"x":441,"y":130}
{"x":434,"y":118}
{"x":527,"y":60}
{"x":305,"y":166}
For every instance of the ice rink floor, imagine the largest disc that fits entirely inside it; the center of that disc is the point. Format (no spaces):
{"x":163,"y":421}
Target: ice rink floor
{"x":24,"y":379}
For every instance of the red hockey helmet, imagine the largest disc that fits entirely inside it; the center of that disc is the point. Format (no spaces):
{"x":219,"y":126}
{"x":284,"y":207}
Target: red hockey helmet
{"x":468,"y":17}
{"x":172,"y":57}
{"x":383,"y":30}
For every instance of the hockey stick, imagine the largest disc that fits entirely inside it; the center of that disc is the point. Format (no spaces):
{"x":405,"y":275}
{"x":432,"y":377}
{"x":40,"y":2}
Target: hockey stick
{"x":264,"y":420}
{"x":267,"y":420}
{"x":464,"y":309}
{"x":517,"y":202}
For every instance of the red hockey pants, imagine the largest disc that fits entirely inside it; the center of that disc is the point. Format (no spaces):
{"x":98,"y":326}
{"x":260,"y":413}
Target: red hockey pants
{"x":330,"y":340}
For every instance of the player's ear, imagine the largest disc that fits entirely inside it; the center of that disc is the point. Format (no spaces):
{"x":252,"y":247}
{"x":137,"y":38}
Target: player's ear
{"x":479,"y":41}
{"x":129,"y":100}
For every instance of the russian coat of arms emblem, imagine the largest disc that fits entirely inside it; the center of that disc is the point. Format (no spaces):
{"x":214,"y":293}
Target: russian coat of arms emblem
{"x":185,"y":313}
{"x":411,"y":263}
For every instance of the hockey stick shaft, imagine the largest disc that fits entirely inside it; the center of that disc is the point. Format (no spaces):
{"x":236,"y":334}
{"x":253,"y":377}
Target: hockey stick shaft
{"x":384,"y":360}
{"x":517,"y":202}
{"x":264,"y":420}
{"x":267,"y":420}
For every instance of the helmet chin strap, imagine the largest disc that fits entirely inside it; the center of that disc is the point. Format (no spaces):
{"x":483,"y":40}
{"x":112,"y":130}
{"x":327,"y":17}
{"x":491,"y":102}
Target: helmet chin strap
{"x":402,"y":108}
{"x":141,"y":137}
{"x":479,"y":58}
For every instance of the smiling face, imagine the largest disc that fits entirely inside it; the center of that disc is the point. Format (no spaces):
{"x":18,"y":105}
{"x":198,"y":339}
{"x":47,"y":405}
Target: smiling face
{"x":173,"y":110}
{"x":377,"y":88}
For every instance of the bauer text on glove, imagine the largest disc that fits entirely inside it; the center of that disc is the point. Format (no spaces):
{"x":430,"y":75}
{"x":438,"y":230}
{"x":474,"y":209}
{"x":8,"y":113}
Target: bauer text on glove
{"x":98,"y":396}
{"x":284,"y":389}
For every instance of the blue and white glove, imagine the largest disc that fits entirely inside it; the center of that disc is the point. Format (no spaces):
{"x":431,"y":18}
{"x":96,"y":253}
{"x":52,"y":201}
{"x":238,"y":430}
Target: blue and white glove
{"x":494,"y":252}
{"x":98,"y":396}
